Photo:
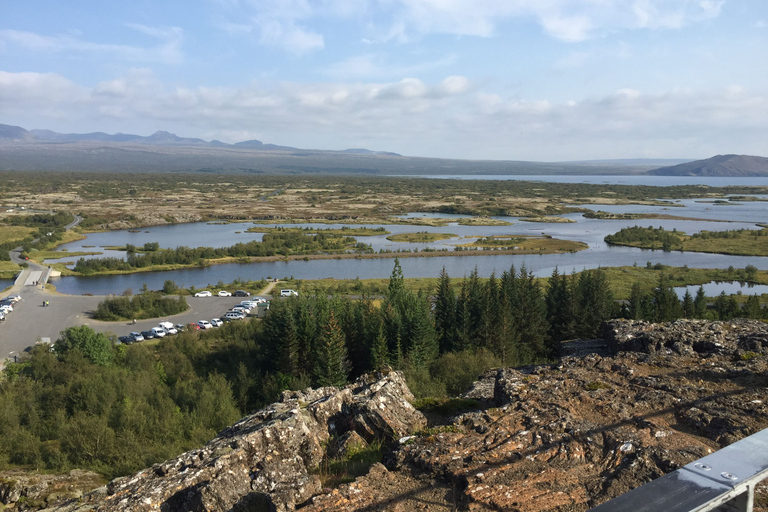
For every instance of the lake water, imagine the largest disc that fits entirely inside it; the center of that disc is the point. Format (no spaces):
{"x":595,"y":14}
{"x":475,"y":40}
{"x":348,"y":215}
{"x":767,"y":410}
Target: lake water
{"x":653,"y":181}
{"x":591,"y":231}
{"x":714,"y":288}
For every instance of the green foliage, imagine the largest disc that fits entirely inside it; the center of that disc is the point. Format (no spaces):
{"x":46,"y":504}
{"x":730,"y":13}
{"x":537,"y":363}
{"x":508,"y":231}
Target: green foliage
{"x":596,"y":385}
{"x":656,"y":238}
{"x":95,"y":346}
{"x":281,"y":243}
{"x":148,"y":304}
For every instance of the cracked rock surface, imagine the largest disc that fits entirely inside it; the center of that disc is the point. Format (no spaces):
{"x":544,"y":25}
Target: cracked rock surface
{"x":563,"y":437}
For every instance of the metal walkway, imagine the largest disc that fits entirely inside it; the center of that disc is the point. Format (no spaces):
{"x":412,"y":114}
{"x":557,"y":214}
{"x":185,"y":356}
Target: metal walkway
{"x":723,"y":481}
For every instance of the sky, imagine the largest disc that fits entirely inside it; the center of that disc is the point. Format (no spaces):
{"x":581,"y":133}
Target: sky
{"x":543,"y":80}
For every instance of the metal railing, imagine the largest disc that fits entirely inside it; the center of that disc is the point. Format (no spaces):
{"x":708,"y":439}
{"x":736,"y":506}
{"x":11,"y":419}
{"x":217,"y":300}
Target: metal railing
{"x":722,"y":481}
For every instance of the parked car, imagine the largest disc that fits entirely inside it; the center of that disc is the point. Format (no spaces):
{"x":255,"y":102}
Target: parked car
{"x":258,"y":300}
{"x":180,"y":327}
{"x":216,"y":322}
{"x":224,"y":293}
{"x":159,"y":332}
{"x":204,"y":324}
{"x":234,"y":315}
{"x":125,"y":339}
{"x":168,"y":328}
{"x":204,"y":293}
{"x":192,"y":326}
{"x":289,"y":293}
{"x":242,"y":293}
{"x":148,"y":335}
{"x":136,"y":336}
{"x":14,"y":298}
{"x":2,"y":316}
{"x":243,"y":309}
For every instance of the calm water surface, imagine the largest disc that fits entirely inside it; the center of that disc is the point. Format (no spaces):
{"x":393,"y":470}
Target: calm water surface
{"x":714,"y":288}
{"x":592,"y":231}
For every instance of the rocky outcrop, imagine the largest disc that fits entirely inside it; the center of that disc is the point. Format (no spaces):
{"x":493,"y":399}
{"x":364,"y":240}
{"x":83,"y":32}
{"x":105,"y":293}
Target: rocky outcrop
{"x":34,"y":490}
{"x":571,"y":436}
{"x":268,"y":460}
{"x":688,"y":337}
{"x":547,"y":438}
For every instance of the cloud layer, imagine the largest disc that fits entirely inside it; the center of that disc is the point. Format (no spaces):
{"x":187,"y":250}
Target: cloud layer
{"x":453,"y":118}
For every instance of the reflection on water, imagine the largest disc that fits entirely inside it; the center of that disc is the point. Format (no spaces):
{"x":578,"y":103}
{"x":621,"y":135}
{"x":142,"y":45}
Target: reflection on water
{"x":591,"y":231}
{"x":714,"y":288}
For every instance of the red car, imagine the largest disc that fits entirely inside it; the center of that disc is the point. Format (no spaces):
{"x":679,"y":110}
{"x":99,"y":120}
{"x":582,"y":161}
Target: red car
{"x":193,"y":326}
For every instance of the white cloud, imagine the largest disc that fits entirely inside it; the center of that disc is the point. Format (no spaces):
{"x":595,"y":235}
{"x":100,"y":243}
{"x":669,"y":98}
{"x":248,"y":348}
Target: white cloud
{"x":450,"y":118}
{"x":377,"y":66}
{"x":168,"y":51}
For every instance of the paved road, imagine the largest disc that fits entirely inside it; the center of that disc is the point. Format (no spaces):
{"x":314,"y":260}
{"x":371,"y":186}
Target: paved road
{"x":30,"y":321}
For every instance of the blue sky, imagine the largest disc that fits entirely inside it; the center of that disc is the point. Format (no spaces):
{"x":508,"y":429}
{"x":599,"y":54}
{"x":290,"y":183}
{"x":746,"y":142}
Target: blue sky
{"x":546,"y":80}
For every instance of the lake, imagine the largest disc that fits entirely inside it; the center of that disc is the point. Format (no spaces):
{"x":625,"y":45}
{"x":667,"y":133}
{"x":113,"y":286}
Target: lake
{"x":591,"y":231}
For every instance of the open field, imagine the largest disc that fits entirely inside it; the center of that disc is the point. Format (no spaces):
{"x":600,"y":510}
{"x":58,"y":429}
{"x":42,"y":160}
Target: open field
{"x":129,"y":201}
{"x":420,"y":237}
{"x":746,"y":242}
{"x":14,"y":233}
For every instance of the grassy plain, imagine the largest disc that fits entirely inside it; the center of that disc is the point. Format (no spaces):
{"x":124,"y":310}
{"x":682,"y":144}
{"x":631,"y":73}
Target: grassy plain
{"x":14,"y":233}
{"x":420,"y":237}
{"x":128,"y":201}
{"x":741,"y":243}
{"x":527,"y":244}
{"x":620,"y":280}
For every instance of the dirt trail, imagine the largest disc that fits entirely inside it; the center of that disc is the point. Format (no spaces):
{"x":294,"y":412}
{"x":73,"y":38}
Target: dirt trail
{"x":267,"y":289}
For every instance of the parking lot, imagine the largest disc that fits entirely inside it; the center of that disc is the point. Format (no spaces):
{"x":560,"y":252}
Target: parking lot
{"x":30,"y":321}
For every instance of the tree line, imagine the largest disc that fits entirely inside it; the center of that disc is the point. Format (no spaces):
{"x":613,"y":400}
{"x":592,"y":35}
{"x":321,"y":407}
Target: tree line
{"x":282,"y":243}
{"x":116,"y":408}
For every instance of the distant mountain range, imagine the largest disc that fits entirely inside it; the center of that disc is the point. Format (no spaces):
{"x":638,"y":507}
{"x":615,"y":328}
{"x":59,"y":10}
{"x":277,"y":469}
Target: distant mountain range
{"x":720,"y":165}
{"x":159,"y":138}
{"x":22,"y":149}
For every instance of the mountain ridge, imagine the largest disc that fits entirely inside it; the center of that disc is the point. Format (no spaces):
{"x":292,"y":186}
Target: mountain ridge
{"x":160,"y":137}
{"x":718,"y":165}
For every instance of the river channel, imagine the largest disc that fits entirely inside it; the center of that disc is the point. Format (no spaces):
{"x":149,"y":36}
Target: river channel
{"x":592,"y":231}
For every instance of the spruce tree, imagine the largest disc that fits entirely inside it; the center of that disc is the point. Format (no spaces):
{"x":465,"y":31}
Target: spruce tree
{"x":445,"y":313}
{"x":379,"y":351}
{"x":423,"y":346}
{"x":688,"y":309}
{"x":331,"y":367}
{"x":700,"y":303}
{"x":666,"y":305}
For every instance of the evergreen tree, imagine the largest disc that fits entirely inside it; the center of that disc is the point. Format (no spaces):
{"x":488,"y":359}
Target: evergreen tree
{"x":596,"y":302}
{"x":379,"y":351}
{"x":423,"y":346}
{"x":688,"y":307}
{"x":752,"y":307}
{"x":636,"y":308}
{"x":331,"y":367}
{"x":666,"y":305}
{"x":489,"y":313}
{"x":530,"y":317}
{"x":463,"y":340}
{"x":445,"y":313}
{"x":700,"y":304}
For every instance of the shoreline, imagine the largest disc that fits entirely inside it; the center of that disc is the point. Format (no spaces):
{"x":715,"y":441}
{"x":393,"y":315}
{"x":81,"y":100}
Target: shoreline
{"x":294,"y":257}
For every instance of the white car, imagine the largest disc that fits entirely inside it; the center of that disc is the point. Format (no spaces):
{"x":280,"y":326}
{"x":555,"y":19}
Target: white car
{"x":204,"y":293}
{"x":6,"y":308}
{"x":289,"y":293}
{"x":204,"y":324}
{"x":225,"y":293}
{"x":159,"y":332}
{"x":216,"y":322}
